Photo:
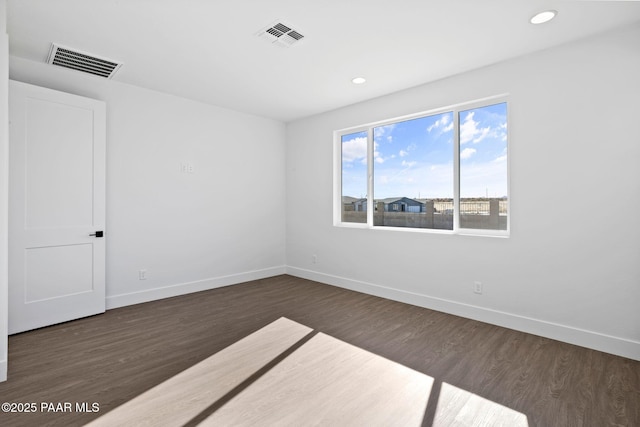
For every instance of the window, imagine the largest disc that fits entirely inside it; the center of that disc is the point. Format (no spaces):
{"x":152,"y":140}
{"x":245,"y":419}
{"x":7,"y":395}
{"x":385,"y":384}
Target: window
{"x":413,"y":167}
{"x":483,"y":167}
{"x":354,"y":177}
{"x":445,"y":170}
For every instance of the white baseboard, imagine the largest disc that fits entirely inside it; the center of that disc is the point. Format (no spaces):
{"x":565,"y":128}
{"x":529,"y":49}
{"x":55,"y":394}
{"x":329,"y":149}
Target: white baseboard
{"x":122,"y":300}
{"x":3,"y":370}
{"x":606,"y":343}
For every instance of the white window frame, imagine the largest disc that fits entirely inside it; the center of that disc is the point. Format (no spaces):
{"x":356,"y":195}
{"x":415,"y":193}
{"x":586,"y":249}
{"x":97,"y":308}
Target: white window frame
{"x":456,"y":109}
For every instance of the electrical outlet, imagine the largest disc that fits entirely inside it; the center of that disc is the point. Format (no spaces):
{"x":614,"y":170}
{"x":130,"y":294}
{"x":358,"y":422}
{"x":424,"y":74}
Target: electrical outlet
{"x":477,"y":287}
{"x":187,"y":167}
{"x":142,"y":274}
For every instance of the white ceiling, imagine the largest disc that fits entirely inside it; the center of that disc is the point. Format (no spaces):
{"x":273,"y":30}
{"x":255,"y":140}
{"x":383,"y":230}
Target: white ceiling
{"x":208,"y":50}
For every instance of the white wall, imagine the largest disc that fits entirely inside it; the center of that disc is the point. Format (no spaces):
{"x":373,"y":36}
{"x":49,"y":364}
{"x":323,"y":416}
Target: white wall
{"x":4,"y":176}
{"x":570,"y":270}
{"x":221,"y":225}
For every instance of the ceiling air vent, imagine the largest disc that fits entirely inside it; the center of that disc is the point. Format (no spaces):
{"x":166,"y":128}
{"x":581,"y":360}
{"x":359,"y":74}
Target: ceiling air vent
{"x":82,"y":61}
{"x":280,"y":34}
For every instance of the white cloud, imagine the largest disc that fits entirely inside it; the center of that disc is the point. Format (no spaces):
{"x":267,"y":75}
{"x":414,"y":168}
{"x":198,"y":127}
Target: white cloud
{"x":408,"y":164}
{"x":403,"y":153}
{"x":386,"y":128}
{"x":444,"y":124}
{"x":500,"y":159}
{"x":503,"y":131}
{"x":354,"y":149}
{"x":469,"y":130}
{"x":483,"y":134}
{"x":467,"y":152}
{"x":381,"y":131}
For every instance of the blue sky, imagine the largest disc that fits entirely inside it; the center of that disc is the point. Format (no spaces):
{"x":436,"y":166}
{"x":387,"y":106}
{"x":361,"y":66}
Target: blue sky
{"x":414,"y":158}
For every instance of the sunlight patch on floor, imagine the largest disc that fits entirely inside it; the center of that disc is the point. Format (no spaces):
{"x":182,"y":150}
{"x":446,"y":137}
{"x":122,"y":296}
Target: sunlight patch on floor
{"x":330,"y":382}
{"x":458,"y":407}
{"x":288,"y":374}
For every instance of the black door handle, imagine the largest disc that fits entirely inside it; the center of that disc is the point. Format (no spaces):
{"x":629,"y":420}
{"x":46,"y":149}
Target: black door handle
{"x":98,"y":234}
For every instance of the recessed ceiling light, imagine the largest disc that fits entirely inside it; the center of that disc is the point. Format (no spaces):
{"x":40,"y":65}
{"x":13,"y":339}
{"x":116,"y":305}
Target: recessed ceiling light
{"x":358,"y":80}
{"x":542,"y":17}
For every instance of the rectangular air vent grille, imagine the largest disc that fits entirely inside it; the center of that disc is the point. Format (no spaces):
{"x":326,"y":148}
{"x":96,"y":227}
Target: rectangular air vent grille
{"x":280,"y":34}
{"x":82,"y":61}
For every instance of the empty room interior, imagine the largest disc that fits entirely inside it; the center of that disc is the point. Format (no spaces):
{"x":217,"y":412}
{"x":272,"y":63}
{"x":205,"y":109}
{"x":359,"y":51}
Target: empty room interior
{"x":412,"y":213}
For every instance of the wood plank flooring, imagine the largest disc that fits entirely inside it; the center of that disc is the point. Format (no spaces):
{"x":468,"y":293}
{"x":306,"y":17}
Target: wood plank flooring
{"x":112,"y":358}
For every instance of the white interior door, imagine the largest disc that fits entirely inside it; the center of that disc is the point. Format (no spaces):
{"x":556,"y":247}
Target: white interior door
{"x":56,"y":205}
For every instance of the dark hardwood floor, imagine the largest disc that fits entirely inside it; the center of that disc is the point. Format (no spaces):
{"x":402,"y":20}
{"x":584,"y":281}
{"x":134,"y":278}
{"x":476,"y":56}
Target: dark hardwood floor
{"x":111,"y":358}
